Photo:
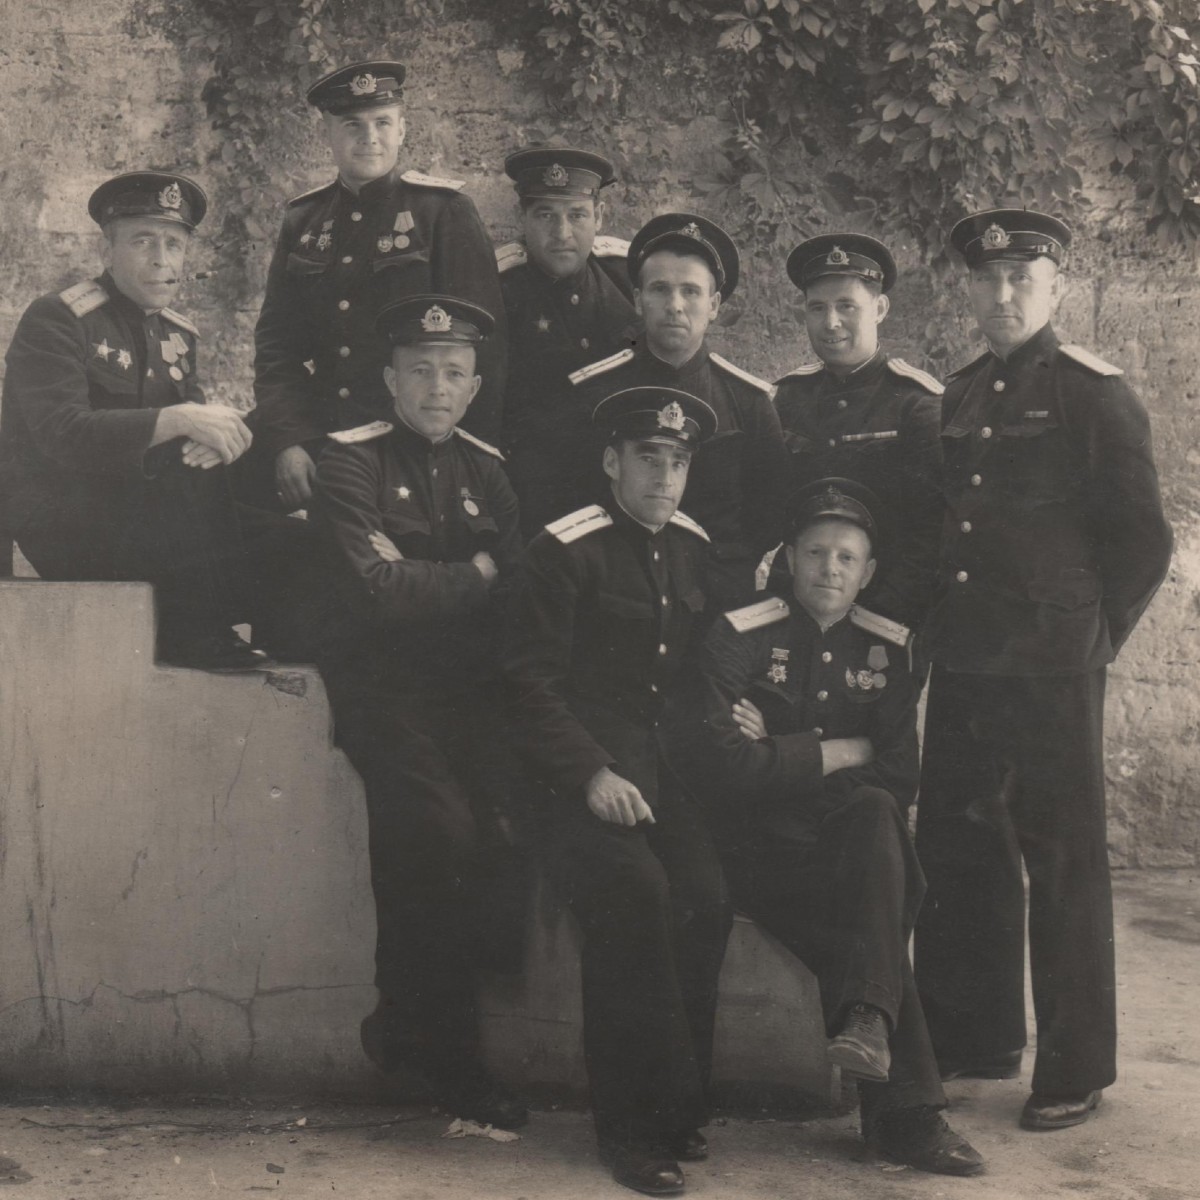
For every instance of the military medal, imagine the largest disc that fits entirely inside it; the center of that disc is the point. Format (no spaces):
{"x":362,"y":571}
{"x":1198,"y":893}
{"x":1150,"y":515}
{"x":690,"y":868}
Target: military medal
{"x":400,"y":241}
{"x":169,"y":352}
{"x":326,"y":238}
{"x":866,"y":680}
{"x":402,"y":224}
{"x":384,"y":243}
{"x":469,"y":505}
{"x":402,"y":493}
{"x":777,"y":671}
{"x":879,"y":680}
{"x":175,"y":373}
{"x":103,"y":349}
{"x":877,"y":658}
{"x":124,"y":360}
{"x":542,"y":324}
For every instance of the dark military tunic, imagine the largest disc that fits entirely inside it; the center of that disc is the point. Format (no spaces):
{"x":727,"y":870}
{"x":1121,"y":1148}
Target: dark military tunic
{"x":598,"y":627}
{"x":1054,"y":543}
{"x":86,"y":495}
{"x":408,"y":655}
{"x":556,"y":326}
{"x":737,"y":481}
{"x":340,"y":258}
{"x":879,"y":426}
{"x":824,"y":862}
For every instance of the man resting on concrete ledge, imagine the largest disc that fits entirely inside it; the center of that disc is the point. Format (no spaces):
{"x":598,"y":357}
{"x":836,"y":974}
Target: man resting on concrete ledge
{"x":418,"y":525}
{"x":801,"y":734}
{"x":604,"y":615}
{"x":112,"y":466}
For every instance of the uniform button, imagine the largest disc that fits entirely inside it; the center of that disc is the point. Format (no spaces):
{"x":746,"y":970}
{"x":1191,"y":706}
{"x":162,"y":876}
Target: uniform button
{"x":822,"y":695}
{"x":343,"y":305}
{"x":827,"y":657}
{"x":666,"y":602}
{"x":965,"y":527}
{"x":986,"y":432}
{"x":654,"y":687}
{"x":818,"y":730}
{"x":149,"y":372}
{"x":976,"y":480}
{"x":962,"y":577}
{"x":356,"y":216}
{"x":344,"y":393}
{"x":657,"y":556}
{"x":434,"y":472}
{"x":575,"y":298}
{"x":584,"y":343}
{"x":344,"y":351}
{"x":833,"y":441}
{"x":662,"y":647}
{"x":347,"y":258}
{"x":998,"y":386}
{"x":842,"y":403}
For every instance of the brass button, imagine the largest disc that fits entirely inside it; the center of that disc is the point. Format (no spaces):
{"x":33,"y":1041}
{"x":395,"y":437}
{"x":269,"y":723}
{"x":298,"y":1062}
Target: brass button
{"x":344,"y":393}
{"x":343,"y":305}
{"x":976,"y":480}
{"x":818,"y":730}
{"x":961,"y":577}
{"x":998,"y":386}
{"x":827,"y":657}
{"x":662,"y":647}
{"x":575,"y":298}
{"x":833,"y":441}
{"x":344,"y":351}
{"x":842,"y":403}
{"x":347,"y":258}
{"x":356,"y":216}
{"x":822,"y":695}
{"x":584,"y":343}
{"x":965,"y":527}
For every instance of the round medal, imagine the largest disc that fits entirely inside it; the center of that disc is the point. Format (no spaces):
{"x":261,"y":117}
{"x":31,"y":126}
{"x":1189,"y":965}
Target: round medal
{"x":470,"y":507}
{"x":175,"y":373}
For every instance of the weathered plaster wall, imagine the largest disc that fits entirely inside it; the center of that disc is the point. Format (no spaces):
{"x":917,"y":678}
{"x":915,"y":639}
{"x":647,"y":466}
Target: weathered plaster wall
{"x":91,"y":87}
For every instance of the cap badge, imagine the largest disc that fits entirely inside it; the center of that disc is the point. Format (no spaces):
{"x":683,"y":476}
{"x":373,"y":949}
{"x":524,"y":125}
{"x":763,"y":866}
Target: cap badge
{"x":692,"y":230}
{"x":364,"y":85}
{"x":170,"y":197}
{"x":995,"y":238}
{"x":671,"y":417}
{"x":555,"y":175}
{"x":837,"y":257}
{"x":436,"y":320}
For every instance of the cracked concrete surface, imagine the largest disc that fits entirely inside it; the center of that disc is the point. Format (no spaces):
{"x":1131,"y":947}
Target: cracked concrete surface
{"x":1141,"y":1145}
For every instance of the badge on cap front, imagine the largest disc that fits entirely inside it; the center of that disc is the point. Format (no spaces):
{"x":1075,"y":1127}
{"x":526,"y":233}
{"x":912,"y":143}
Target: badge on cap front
{"x":555,"y":175}
{"x":995,"y":238}
{"x":436,"y":320}
{"x":171,"y":197}
{"x":364,"y":85}
{"x":671,"y":417}
{"x":692,"y":230}
{"x":837,"y":258}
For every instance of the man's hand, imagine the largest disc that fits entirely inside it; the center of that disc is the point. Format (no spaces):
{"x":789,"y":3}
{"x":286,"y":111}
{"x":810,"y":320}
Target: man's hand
{"x":839,"y":753}
{"x":485,"y":564}
{"x":616,"y":800}
{"x":295,"y":473}
{"x":749,"y":719}
{"x":216,"y":426}
{"x":384,"y":547}
{"x":197,"y":455}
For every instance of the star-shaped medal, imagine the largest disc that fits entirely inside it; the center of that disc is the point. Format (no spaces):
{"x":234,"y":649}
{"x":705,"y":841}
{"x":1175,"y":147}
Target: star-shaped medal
{"x":124,"y":360}
{"x":402,"y":493}
{"x":103,"y":349}
{"x":542,"y":324}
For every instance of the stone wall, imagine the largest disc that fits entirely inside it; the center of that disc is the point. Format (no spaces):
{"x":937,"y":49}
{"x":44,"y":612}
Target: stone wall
{"x":91,"y":87}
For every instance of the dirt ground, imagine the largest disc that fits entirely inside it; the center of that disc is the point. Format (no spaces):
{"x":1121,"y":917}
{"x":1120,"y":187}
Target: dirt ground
{"x":1142,"y":1144}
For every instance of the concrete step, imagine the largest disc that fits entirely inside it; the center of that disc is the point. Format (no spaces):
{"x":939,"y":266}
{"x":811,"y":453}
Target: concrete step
{"x":185,"y":898}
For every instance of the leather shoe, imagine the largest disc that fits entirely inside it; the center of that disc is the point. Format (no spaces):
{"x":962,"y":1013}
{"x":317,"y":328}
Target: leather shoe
{"x":689,"y":1146}
{"x":861,"y":1048}
{"x":643,"y":1169}
{"x":919,"y":1137}
{"x":999,"y":1066}
{"x":218,"y":650}
{"x":1058,"y":1112}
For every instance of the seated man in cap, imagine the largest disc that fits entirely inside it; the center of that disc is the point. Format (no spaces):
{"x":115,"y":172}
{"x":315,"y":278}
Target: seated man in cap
{"x":569,"y":301}
{"x":683,"y":267}
{"x":606,"y":606}
{"x":1053,"y":544}
{"x":862,"y":414}
{"x":374,"y":235}
{"x":799,"y":732}
{"x":112,"y":465}
{"x":418,"y":526}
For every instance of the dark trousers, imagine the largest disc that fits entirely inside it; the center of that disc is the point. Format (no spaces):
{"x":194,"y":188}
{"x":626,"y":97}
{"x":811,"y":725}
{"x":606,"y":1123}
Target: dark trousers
{"x":842,"y":894}
{"x":655,"y":917}
{"x":449,"y":886}
{"x":1013,"y":773}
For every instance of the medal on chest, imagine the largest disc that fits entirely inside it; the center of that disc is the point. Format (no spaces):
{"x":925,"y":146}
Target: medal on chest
{"x":470,"y":507}
{"x":777,"y":671}
{"x":403,"y":493}
{"x":865,"y":680}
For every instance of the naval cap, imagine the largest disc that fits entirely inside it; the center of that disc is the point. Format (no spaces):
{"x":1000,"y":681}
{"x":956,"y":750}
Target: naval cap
{"x":1012,"y":233}
{"x":434,"y":321}
{"x":687,"y":233}
{"x":370,"y":84}
{"x":841,"y":254}
{"x":655,"y":414}
{"x":551,"y":171}
{"x":160,"y":194}
{"x":832,"y":497}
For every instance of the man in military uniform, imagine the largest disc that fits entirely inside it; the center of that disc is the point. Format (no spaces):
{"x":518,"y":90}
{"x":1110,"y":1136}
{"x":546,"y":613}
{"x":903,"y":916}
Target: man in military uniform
{"x":683,"y":266}
{"x":862,"y":414}
{"x":599,"y":625}
{"x":418,"y":525}
{"x":112,"y":465}
{"x":1054,"y":542}
{"x":374,"y":235}
{"x":569,"y":301}
{"x":800,"y":731}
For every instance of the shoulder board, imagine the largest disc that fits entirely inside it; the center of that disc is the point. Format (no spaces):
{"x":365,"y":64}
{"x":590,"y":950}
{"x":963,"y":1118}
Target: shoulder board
{"x":686,"y":522}
{"x":600,"y":367}
{"x":433,"y":181}
{"x":975,"y":362}
{"x":312,"y":192}
{"x":579,"y":523}
{"x":83,"y":298}
{"x":361,"y":433}
{"x":755,"y":616}
{"x":899,"y":367}
{"x":880,"y":627}
{"x":808,"y":369}
{"x":478,"y":443}
{"x":511,"y":254}
{"x":610,"y":247}
{"x":744,"y":376}
{"x":180,"y":320}
{"x":1089,"y":360}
